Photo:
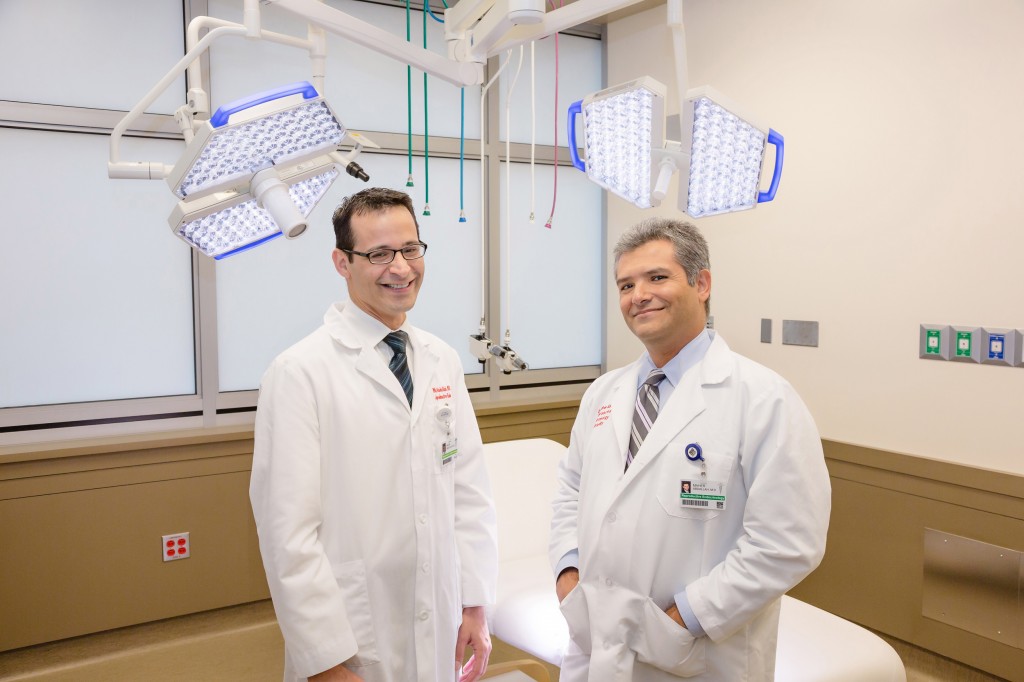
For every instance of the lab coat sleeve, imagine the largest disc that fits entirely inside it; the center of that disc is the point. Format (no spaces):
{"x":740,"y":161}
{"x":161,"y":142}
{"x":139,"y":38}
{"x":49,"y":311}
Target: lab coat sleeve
{"x":285,"y":495}
{"x":785,"y":519}
{"x":566,"y":503}
{"x":476,"y":531}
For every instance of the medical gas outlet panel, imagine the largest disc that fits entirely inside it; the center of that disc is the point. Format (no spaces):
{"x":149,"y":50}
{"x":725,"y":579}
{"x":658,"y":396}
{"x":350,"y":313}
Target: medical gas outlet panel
{"x":984,"y":345}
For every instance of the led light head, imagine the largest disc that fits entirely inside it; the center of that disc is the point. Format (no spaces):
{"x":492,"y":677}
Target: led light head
{"x":281,"y":127}
{"x":719,"y":156}
{"x":227,"y":223}
{"x":726,"y":153}
{"x":622,"y":125}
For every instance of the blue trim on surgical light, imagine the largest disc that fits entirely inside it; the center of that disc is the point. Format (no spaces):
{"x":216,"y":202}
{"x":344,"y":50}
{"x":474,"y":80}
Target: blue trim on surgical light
{"x":221,"y":116}
{"x":253,"y":245}
{"x":780,"y":146}
{"x":575,"y":109}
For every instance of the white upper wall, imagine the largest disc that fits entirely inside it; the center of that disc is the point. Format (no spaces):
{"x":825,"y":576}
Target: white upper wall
{"x":900,"y":204}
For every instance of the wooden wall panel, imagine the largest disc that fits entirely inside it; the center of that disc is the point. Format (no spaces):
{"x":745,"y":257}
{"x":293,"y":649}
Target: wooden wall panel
{"x":873,"y":569}
{"x":80,"y":525}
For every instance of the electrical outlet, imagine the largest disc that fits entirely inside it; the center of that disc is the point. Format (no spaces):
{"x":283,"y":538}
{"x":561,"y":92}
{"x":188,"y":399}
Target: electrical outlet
{"x":176,"y":547}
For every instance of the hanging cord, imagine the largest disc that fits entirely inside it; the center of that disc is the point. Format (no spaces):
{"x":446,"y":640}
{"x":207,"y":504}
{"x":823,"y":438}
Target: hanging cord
{"x":462,"y":155}
{"x":426,"y":127}
{"x":533,"y":129}
{"x":426,"y":6}
{"x":483,"y":185}
{"x":462,"y":128}
{"x":510,"y":88}
{"x":554,"y":195}
{"x":408,"y":91}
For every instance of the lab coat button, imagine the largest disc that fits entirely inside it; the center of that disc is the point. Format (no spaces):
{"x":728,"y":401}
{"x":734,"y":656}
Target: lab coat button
{"x":608,"y":582}
{"x":424,"y":615}
{"x":612,"y":517}
{"x":423,"y":518}
{"x":426,"y":567}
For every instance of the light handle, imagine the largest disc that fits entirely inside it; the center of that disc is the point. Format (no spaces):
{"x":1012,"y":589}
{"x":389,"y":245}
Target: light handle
{"x":780,"y":145}
{"x":575,"y":109}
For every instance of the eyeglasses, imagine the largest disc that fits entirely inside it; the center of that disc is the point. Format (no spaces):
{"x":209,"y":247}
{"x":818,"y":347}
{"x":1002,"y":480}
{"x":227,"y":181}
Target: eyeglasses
{"x":385,"y":256}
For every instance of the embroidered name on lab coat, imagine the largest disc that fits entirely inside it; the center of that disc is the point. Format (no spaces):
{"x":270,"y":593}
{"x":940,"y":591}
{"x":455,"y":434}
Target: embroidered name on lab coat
{"x":604,"y":413}
{"x":442,"y":392}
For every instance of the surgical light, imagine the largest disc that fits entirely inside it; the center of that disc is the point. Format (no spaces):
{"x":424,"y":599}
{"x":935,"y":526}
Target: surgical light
{"x":622,"y":126}
{"x":256,"y":169}
{"x":719,"y":157}
{"x":281,"y":127}
{"x":726,"y":154}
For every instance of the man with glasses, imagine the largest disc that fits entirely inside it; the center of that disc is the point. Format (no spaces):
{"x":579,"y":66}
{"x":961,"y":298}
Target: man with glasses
{"x":373,"y":507}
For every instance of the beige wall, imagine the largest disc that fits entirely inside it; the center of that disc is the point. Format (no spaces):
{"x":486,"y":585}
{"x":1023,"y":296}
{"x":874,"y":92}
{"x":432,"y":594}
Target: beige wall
{"x":900,"y":204}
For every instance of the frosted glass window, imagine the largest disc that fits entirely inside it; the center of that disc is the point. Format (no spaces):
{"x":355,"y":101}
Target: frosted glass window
{"x":98,"y":293}
{"x":556,"y":273}
{"x":366,"y":88}
{"x":84,"y":54}
{"x":271,"y":296}
{"x":580,"y":74}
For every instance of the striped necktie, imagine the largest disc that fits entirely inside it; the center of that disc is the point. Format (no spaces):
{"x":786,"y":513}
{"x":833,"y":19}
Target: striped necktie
{"x":399,"y":364}
{"x":647,"y":400}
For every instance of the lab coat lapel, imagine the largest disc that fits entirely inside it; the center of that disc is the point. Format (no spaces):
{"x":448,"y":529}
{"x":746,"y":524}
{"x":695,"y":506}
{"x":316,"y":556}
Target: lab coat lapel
{"x":686,"y":403}
{"x":373,"y":366}
{"x":622,"y":399}
{"x":425,"y":364}
{"x":369,"y":361}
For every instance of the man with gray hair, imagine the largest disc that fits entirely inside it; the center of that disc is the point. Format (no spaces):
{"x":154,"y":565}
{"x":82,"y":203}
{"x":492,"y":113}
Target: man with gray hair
{"x":658,"y":579}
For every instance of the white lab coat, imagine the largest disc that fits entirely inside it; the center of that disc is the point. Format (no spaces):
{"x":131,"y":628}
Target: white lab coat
{"x":639,"y":547}
{"x":371,"y":544}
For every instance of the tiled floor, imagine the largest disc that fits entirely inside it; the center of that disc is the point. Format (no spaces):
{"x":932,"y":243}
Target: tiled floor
{"x":924,"y":666}
{"x":244,"y":643}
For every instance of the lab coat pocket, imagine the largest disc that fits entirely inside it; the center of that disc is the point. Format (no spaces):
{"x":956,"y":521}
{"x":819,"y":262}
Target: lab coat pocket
{"x":577,"y":616}
{"x":351,"y":577}
{"x":666,"y":645}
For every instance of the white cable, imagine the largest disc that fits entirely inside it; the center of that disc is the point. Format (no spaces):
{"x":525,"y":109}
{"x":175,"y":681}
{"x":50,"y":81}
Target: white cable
{"x":510,"y":88}
{"x":533,"y":129}
{"x":483,"y":187}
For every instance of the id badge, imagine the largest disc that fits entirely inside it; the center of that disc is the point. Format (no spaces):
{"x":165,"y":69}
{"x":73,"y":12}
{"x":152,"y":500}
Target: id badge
{"x":702,"y":494}
{"x":449,"y":450}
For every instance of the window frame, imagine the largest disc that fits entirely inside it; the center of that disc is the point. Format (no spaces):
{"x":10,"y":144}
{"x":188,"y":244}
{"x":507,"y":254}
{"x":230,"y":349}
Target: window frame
{"x":209,"y":407}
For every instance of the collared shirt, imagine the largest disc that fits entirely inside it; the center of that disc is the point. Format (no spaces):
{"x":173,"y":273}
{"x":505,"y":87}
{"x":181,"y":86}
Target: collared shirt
{"x":690,"y":355}
{"x":371,"y":332}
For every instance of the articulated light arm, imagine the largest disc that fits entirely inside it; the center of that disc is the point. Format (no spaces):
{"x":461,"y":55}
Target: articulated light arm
{"x":377,"y":39}
{"x":198,"y":103}
{"x":150,"y":170}
{"x":561,"y":19}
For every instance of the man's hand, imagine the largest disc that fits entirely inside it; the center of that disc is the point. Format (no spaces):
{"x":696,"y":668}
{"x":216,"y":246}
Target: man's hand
{"x":338,"y":673}
{"x":567,"y":580}
{"x":674,"y":614}
{"x":473,"y":633}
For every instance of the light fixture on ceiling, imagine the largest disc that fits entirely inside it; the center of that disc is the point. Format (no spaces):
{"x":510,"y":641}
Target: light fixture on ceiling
{"x":719,"y":155}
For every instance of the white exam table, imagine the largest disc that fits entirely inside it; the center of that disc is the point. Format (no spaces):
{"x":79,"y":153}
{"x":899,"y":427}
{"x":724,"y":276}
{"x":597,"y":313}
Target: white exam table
{"x":814,"y":645}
